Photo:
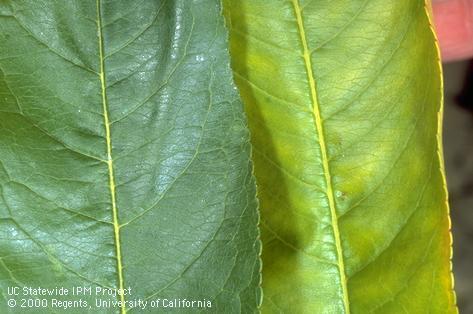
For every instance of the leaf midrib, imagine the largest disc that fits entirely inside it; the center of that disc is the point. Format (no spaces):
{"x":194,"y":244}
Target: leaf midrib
{"x":323,"y":149}
{"x":111,"y":175}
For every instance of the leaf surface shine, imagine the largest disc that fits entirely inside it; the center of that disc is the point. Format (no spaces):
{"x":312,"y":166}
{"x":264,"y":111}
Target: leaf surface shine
{"x":344,"y":105}
{"x":124,"y":154}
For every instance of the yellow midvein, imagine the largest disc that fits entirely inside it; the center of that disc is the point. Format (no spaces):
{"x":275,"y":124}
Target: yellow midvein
{"x":323,"y":149}
{"x":111,"y":176}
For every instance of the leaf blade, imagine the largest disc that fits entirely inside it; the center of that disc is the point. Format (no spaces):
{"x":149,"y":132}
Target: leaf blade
{"x":102,"y":99}
{"x":378,"y":85}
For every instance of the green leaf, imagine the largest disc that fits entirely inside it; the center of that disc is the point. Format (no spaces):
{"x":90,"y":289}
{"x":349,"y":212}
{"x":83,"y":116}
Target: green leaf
{"x":344,"y":103}
{"x":124,"y":154}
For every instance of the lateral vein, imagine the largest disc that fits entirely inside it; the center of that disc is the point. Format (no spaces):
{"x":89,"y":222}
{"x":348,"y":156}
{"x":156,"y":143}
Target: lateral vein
{"x":323,"y":150}
{"x":111,"y":175}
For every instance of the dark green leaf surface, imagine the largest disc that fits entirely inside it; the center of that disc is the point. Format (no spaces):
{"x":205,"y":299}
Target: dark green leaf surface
{"x":343,"y":99}
{"x":124,"y":153}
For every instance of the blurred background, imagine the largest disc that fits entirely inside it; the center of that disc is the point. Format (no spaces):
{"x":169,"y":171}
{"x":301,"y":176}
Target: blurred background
{"x":458,"y":150}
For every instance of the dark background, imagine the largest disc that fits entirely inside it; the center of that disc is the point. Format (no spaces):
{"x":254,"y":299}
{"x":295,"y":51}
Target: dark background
{"x":458,"y":149}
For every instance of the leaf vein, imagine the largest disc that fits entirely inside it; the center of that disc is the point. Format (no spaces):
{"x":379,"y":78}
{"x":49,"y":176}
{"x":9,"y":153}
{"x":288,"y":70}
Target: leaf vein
{"x":325,"y":163}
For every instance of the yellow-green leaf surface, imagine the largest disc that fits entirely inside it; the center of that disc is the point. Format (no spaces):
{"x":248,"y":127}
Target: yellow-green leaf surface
{"x":344,"y":103}
{"x":124,"y":156}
